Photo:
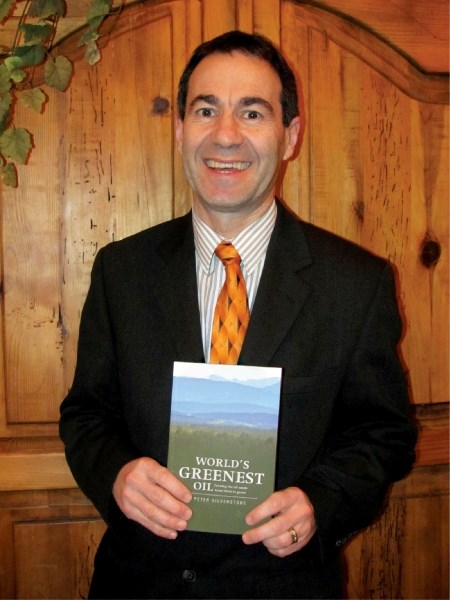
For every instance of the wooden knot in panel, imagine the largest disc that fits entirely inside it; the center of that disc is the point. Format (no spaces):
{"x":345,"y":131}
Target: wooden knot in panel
{"x":430,"y":252}
{"x":160,"y":106}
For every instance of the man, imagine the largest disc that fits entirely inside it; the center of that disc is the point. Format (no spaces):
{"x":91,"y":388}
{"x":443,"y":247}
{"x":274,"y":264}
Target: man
{"x":321,"y":308}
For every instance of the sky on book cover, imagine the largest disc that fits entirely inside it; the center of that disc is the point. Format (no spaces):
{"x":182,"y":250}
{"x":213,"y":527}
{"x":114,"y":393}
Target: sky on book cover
{"x":226,"y":394}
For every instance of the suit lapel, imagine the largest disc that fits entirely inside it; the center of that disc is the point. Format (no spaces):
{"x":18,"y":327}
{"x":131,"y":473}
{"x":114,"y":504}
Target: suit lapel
{"x":281,"y":292}
{"x":176,"y":290}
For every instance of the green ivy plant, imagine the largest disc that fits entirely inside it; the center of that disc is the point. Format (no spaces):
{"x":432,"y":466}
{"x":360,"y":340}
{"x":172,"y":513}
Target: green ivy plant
{"x":32,"y":48}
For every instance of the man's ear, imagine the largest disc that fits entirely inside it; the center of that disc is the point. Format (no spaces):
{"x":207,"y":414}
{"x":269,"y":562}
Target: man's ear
{"x":179,"y":133}
{"x":292,"y":134}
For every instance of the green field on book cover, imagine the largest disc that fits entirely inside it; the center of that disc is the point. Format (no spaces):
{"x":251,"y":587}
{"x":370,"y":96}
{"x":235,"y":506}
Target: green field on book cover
{"x":223,"y":440}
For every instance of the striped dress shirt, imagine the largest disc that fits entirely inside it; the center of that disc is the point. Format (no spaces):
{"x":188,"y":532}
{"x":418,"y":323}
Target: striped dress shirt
{"x":251,"y":243}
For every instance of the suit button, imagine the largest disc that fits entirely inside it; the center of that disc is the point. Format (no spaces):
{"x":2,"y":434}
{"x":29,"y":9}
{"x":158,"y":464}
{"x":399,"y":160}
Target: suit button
{"x":189,"y":575}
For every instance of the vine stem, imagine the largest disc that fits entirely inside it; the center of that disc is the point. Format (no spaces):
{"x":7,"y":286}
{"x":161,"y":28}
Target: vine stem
{"x":22,"y":19}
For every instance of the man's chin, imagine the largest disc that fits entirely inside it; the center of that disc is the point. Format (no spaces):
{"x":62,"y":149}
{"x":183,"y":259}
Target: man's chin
{"x":225,"y":204}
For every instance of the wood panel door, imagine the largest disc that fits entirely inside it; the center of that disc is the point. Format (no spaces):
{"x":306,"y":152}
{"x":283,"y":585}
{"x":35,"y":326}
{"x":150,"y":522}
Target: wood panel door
{"x":373,"y":167}
{"x":103,"y":168}
{"x":369,"y":171}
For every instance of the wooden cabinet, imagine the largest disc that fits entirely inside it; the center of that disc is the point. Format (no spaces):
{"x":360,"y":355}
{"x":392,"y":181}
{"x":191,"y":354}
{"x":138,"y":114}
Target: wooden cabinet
{"x":49,"y":539}
{"x":373,"y":167}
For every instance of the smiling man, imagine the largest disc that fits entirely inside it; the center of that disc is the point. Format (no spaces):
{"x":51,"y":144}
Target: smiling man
{"x":233,"y":139}
{"x":304,"y":300}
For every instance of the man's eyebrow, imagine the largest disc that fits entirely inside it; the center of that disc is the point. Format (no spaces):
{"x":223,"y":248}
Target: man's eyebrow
{"x":251,"y":100}
{"x":207,"y":98}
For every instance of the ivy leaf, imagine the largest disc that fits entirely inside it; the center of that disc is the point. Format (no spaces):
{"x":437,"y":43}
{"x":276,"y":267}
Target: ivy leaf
{"x":98,"y":8}
{"x":5,"y":105}
{"x":92,"y":53}
{"x":58,"y":72}
{"x":34,"y":99}
{"x":36,"y":33}
{"x":42,"y":9}
{"x":14,"y":64}
{"x":16,"y":144}
{"x":8,"y":174}
{"x":90,"y":35}
{"x":95,"y":22}
{"x":5,"y":7}
{"x":30,"y":55}
{"x":5,"y":79}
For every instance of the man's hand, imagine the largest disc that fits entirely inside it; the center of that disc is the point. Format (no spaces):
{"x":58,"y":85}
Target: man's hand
{"x":289,"y":508}
{"x":151,"y":495}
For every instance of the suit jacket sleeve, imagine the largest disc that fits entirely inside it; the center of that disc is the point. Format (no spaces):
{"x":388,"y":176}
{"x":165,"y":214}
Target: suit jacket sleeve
{"x":372,"y":437}
{"x":92,"y":424}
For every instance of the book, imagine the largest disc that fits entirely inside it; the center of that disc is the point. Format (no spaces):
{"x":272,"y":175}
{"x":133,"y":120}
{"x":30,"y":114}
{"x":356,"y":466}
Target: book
{"x":223,"y":440}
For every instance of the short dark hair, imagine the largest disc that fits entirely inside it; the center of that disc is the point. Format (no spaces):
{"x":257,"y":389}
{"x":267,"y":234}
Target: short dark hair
{"x":254,"y":45}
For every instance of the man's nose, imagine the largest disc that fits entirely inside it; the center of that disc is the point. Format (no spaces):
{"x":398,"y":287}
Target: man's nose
{"x":227,"y":131}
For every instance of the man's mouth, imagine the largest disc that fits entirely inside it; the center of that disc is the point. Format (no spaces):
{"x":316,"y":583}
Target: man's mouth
{"x":227,"y":166}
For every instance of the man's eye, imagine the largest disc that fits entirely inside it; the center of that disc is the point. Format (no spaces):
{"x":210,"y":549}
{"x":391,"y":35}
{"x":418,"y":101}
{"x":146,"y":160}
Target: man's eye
{"x":252,"y":114}
{"x":205,"y":112}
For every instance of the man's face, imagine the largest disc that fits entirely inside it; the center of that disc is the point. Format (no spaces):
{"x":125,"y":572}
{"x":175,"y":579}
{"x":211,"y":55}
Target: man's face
{"x":232,"y":138}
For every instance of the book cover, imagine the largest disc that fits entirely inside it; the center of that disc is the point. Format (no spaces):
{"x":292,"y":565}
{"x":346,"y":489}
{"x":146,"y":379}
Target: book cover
{"x":223,"y":440}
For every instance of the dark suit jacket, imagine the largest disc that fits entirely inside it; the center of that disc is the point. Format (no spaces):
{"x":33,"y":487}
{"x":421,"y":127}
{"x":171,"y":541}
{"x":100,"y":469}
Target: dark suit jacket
{"x":326,"y":313}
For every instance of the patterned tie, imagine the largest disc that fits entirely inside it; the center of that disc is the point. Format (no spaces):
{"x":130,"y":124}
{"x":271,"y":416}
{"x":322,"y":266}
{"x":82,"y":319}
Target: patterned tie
{"x":232,"y":314}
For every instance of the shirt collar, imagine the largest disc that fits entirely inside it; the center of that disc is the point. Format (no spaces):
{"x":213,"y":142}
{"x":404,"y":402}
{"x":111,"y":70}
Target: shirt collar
{"x":251,"y":243}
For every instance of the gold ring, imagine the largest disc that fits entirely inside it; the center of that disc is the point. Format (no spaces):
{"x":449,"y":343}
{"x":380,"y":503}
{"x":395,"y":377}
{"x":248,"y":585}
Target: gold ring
{"x":293,"y":535}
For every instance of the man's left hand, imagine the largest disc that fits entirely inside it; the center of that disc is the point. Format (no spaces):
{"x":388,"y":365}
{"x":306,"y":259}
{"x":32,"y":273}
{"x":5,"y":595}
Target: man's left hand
{"x":291,"y":510}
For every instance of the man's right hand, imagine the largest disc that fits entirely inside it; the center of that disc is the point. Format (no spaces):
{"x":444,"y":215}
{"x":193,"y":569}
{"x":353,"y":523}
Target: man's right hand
{"x":151,"y":495}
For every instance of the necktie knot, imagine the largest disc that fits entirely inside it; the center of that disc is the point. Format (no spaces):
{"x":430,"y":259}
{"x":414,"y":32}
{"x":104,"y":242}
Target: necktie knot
{"x":227,"y":253}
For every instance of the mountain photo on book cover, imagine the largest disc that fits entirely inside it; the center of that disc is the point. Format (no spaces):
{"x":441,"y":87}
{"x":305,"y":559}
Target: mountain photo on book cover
{"x":218,"y":401}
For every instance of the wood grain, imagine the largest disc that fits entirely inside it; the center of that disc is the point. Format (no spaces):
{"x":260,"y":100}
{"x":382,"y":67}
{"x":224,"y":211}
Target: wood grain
{"x":49,"y":539}
{"x":404,"y":554}
{"x":419,"y":29}
{"x":368,"y":171}
{"x":62,"y":564}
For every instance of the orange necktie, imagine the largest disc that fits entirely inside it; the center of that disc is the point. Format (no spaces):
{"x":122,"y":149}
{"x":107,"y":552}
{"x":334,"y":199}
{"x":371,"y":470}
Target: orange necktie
{"x":232,"y":314}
